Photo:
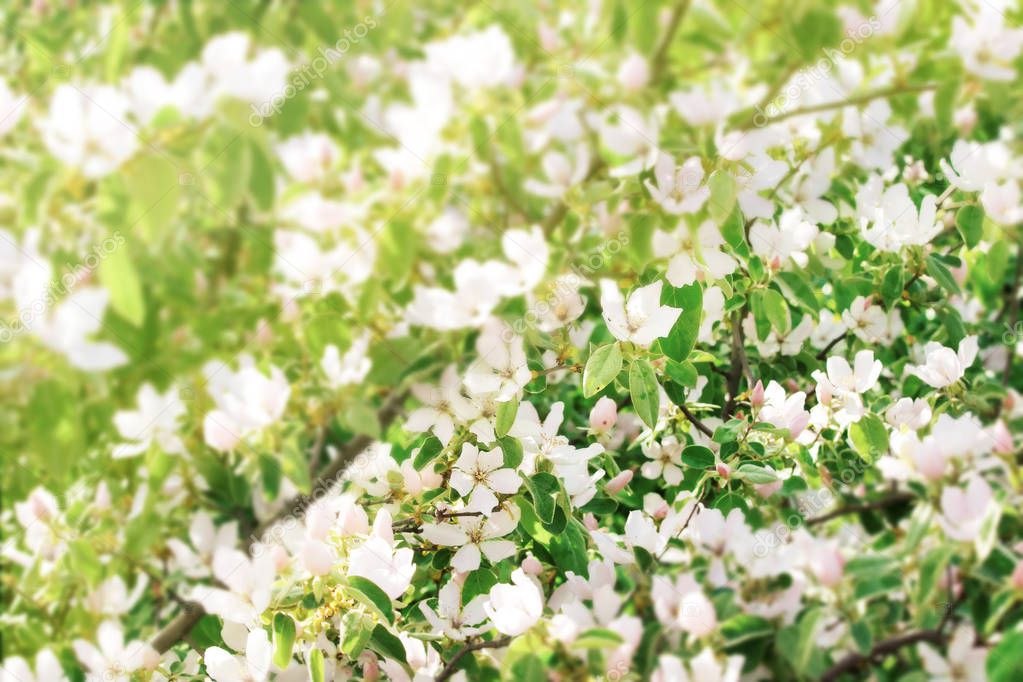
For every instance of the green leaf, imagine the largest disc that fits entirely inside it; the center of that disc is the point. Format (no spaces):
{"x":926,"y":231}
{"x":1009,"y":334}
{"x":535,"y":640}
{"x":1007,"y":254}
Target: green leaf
{"x":892,"y":284}
{"x":679,"y":342}
{"x":154,"y":185}
{"x":1005,"y":661}
{"x":383,"y":641}
{"x":261,"y":181}
{"x":529,"y":668}
{"x":698,"y":457}
{"x":862,"y":636}
{"x":372,"y":596}
{"x":506,"y":412}
{"x":931,"y":569}
{"x":598,"y":638}
{"x":315,"y":663}
{"x":769,"y":305}
{"x":723,"y":192}
{"x":643,"y":389}
{"x":270,"y":474}
{"x":512,"y":449}
{"x":869,"y":437}
{"x":118,"y":275}
{"x":816,"y":29}
{"x":601,"y":369}
{"x":756,"y":474}
{"x":970,"y":222}
{"x":360,"y":417}
{"x":733,"y":229}
{"x":428,"y":452}
{"x":476,"y":583}
{"x":941,"y":274}
{"x":569,"y":550}
{"x":743,"y":627}
{"x":682,"y":373}
{"x":799,"y":290}
{"x":356,"y":630}
{"x":544,"y":488}
{"x":284,"y":639}
{"x":798,"y":642}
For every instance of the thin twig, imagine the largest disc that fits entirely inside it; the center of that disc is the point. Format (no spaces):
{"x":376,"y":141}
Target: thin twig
{"x":660,"y":58}
{"x":704,"y":429}
{"x":883,"y":503}
{"x":1013,"y":313}
{"x":852,"y":101}
{"x":879,"y":651}
{"x":449,"y":669}
{"x":831,"y":344}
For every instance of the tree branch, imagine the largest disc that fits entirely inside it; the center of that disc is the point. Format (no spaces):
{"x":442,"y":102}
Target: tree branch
{"x":1013,"y":313}
{"x":660,"y":58}
{"x":449,"y":669}
{"x":852,"y":101}
{"x":740,"y":365}
{"x":880,"y":650}
{"x":178,"y":629}
{"x":831,"y":344}
{"x":882,"y":503}
{"x":704,"y":429}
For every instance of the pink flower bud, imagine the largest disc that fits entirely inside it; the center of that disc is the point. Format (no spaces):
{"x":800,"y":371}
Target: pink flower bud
{"x":532,"y":566}
{"x":756,"y":396}
{"x":370,"y":667}
{"x":616,"y":484}
{"x":1017,"y":576}
{"x":765,"y":490}
{"x":548,"y":37}
{"x":829,"y":567}
{"x":102,"y":499}
{"x":723,"y":470}
{"x":604,"y":415}
{"x":590,"y":521}
{"x":1002,"y":437}
{"x":634,"y":73}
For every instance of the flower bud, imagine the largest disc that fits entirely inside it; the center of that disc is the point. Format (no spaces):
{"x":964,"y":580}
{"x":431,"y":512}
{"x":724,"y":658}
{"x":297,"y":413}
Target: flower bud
{"x":756,"y":396}
{"x":1017,"y":576}
{"x":634,"y":73}
{"x":723,"y":470}
{"x":604,"y":415}
{"x":532,"y":566}
{"x":590,"y":521}
{"x":1002,"y":438}
{"x":616,"y":484}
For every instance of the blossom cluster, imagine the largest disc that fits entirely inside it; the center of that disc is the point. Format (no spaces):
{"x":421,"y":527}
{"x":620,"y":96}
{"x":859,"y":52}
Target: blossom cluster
{"x":554,"y":342}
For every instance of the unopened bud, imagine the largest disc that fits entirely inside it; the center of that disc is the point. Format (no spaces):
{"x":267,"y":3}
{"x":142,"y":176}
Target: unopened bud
{"x":616,"y":484}
{"x":532,"y":566}
{"x":756,"y":396}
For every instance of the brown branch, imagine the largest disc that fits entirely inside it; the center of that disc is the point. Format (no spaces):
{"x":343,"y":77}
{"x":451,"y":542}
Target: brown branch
{"x":660,"y":58}
{"x":831,"y":344}
{"x":880,"y":650}
{"x":852,"y":101}
{"x":1013,"y":313}
{"x":882,"y":503}
{"x":704,"y":429}
{"x":179,"y":628}
{"x":740,"y":365}
{"x":449,"y":669}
